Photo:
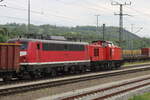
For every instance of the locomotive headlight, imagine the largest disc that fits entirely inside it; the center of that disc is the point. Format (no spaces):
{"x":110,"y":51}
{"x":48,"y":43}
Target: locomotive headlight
{"x":24,"y":59}
{"x":23,"y":53}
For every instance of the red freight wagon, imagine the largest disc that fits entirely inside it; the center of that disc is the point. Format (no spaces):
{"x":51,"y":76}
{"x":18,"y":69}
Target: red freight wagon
{"x":145,"y":52}
{"x":9,"y":58}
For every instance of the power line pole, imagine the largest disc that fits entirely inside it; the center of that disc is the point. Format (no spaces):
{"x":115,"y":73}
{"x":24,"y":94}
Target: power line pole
{"x":120,"y":18}
{"x":2,"y":5}
{"x":28,"y":16}
{"x":97,"y":21}
{"x":97,"y":24}
{"x":104,"y":31}
{"x":132,"y":28}
{"x":131,"y":41}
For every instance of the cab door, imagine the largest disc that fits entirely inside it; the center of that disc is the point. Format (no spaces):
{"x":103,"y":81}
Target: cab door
{"x":38,"y":52}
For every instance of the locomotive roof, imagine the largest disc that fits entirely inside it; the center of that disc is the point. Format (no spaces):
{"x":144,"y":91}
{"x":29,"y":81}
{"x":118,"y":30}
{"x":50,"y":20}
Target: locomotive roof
{"x":49,"y":41}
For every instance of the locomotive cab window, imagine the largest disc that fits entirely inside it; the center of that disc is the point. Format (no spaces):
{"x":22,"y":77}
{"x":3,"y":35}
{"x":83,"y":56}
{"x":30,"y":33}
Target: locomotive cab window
{"x":24,"y":45}
{"x":38,"y":46}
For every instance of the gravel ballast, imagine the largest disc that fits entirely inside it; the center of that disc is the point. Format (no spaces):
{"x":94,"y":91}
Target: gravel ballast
{"x":32,"y":95}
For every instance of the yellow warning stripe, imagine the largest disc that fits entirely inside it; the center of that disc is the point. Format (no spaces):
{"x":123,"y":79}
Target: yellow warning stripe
{"x":7,"y":44}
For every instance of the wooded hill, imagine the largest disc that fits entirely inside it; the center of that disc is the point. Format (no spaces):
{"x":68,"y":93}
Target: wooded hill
{"x":84,"y":33}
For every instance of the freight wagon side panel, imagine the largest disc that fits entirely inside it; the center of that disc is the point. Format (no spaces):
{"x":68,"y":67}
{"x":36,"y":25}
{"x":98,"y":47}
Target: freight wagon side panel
{"x":145,"y":52}
{"x":16,"y":58}
{"x":3,"y":56}
{"x":9,"y":57}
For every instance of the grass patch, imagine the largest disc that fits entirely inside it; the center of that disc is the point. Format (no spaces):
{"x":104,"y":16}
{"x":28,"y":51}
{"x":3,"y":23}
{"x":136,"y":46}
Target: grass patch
{"x":136,"y":63}
{"x":145,"y":96}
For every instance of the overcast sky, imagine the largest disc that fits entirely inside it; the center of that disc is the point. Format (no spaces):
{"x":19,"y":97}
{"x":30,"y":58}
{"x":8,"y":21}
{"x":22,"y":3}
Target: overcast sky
{"x":78,"y":12}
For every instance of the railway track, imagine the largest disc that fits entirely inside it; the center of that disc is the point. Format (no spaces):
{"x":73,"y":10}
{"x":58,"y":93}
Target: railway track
{"x":106,"y":92}
{"x":28,"y":86}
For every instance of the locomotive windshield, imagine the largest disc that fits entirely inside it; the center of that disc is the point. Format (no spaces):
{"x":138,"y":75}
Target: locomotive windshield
{"x":24,"y":45}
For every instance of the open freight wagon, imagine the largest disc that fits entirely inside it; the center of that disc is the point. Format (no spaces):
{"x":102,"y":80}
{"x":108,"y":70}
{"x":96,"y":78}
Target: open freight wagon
{"x":145,"y":52}
{"x":9,"y":60}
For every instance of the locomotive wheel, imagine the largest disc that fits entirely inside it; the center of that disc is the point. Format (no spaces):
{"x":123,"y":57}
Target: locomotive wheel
{"x":7,"y":77}
{"x":36,"y":74}
{"x":96,"y":68}
{"x":93,"y":68}
{"x":78,"y":69}
{"x":53,"y":73}
{"x":72,"y":70}
{"x":102,"y":67}
{"x":83,"y":69}
{"x":109,"y":66}
{"x":117,"y":66}
{"x":105,"y":66}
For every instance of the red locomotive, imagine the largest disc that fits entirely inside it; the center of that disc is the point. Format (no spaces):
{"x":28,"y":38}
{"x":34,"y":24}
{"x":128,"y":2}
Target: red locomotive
{"x":40,"y":58}
{"x":105,"y":55}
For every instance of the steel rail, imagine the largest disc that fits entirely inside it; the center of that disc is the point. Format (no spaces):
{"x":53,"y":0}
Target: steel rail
{"x":110,"y":88}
